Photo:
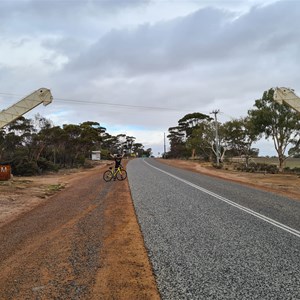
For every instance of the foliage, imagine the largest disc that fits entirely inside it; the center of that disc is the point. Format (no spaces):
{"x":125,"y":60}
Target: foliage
{"x":239,"y":135}
{"x":195,"y":134}
{"x":36,"y":146}
{"x":184,"y":138}
{"x":276,"y":121}
{"x":177,"y":143}
{"x":295,"y":170}
{"x":258,"y":167}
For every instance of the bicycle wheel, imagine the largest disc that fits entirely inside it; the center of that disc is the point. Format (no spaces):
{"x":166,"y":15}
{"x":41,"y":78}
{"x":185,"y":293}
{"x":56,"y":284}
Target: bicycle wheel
{"x":108,"y":175}
{"x":121,"y":175}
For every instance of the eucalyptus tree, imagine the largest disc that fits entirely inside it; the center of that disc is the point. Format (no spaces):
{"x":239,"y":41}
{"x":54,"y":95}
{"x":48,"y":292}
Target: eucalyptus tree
{"x":183,"y":138}
{"x":176,"y":137}
{"x":121,"y":143}
{"x":138,"y":149}
{"x":39,"y":122}
{"x":107,"y":142}
{"x":41,"y":138}
{"x":295,"y":150}
{"x":148,"y":152}
{"x":192,"y":121}
{"x":72,"y":143}
{"x":18,"y":146}
{"x":276,"y":121}
{"x":9,"y":143}
{"x":90,"y":137}
{"x":204,"y":139}
{"x":239,"y":135}
{"x":130,"y":140}
{"x":55,"y":139}
{"x":200,"y":134}
{"x":22,"y":128}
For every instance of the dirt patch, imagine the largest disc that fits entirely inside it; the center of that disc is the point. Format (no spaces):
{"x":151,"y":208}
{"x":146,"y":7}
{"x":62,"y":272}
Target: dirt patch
{"x":282,"y":184}
{"x":21,"y":194}
{"x":126,"y":272}
{"x":83,"y":242}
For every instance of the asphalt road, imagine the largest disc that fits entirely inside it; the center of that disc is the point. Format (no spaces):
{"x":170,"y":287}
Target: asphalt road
{"x":211,"y":239}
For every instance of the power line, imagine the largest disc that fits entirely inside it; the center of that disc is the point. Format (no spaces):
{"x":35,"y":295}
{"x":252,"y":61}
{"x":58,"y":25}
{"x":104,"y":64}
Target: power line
{"x":227,"y":115}
{"x":90,"y":102}
{"x":116,"y":104}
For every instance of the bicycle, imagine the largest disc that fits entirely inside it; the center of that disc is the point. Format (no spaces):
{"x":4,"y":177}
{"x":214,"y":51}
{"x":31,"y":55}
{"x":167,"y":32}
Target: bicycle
{"x":120,"y":173}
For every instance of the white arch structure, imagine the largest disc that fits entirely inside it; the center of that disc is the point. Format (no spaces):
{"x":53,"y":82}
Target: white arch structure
{"x":287,"y":96}
{"x":26,"y":104}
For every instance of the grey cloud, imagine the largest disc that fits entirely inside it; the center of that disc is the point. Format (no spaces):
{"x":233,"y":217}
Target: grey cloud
{"x":70,"y":17}
{"x":202,"y":37}
{"x":67,"y":46}
{"x":267,"y":28}
{"x":157,"y":47}
{"x":60,"y":8}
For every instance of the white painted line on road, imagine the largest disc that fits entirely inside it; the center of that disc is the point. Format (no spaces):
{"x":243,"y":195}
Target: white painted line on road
{"x":243,"y":208}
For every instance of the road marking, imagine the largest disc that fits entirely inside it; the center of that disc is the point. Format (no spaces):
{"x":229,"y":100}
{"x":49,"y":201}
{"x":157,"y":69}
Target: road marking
{"x":243,"y":208}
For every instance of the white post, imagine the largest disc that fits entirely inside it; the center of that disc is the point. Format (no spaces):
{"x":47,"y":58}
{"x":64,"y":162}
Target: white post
{"x":215,"y":112}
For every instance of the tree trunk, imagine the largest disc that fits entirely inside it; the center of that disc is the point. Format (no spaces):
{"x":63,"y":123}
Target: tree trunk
{"x":193,"y":153}
{"x":40,"y":152}
{"x":281,"y":162}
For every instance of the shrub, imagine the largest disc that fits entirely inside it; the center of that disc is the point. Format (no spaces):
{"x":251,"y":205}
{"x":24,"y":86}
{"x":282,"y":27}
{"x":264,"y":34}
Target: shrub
{"x":25,"y":169}
{"x":220,"y":166}
{"x":295,"y":170}
{"x":45,"y":165}
{"x":258,"y":167}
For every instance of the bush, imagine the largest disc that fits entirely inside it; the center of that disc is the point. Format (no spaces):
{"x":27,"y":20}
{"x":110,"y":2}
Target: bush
{"x":258,"y":167}
{"x":25,"y":169}
{"x":80,"y":161}
{"x":220,"y":166}
{"x":45,"y":165}
{"x":295,"y":170}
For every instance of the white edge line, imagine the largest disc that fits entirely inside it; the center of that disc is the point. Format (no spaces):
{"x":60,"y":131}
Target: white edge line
{"x":248,"y":210}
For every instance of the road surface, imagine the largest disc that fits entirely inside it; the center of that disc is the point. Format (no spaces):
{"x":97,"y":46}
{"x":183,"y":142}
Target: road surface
{"x":212,"y":239}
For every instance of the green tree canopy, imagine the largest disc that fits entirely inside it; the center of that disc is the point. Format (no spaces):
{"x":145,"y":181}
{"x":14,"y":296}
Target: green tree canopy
{"x":33,"y":146}
{"x":239,"y":135}
{"x":276,"y":121}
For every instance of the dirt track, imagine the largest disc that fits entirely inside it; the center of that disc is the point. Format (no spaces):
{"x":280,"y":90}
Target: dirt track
{"x":83,"y":243}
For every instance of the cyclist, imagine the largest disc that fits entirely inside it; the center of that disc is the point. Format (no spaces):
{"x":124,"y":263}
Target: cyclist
{"x":118,"y":160}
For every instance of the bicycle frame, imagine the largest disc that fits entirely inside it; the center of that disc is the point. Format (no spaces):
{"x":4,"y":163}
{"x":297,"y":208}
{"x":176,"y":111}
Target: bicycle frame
{"x":116,"y":171}
{"x":119,"y":173}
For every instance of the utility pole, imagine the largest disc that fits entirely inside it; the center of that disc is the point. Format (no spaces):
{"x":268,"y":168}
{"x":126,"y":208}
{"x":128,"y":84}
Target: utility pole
{"x":215,"y":112}
{"x":164,"y":145}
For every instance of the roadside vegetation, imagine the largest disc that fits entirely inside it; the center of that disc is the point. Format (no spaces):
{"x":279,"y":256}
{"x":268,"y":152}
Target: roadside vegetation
{"x":35,"y":146}
{"x":199,"y":136}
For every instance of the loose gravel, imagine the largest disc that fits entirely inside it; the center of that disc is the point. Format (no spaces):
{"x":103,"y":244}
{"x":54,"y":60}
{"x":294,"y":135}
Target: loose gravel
{"x":203,"y":248}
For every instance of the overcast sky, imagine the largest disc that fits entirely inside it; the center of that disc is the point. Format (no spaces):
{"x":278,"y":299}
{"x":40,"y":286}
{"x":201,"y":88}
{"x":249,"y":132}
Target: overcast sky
{"x":137,"y":67}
